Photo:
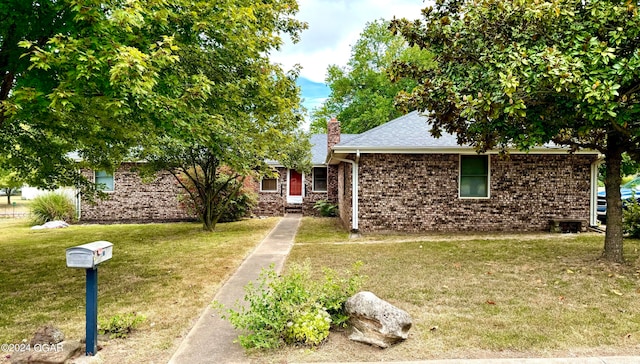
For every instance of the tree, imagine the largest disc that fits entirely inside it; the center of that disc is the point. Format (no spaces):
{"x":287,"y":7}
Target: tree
{"x":237,"y":109}
{"x":9,"y":183}
{"x":186,"y":85}
{"x":362,"y":93}
{"x":523,"y":73}
{"x":101,"y":79}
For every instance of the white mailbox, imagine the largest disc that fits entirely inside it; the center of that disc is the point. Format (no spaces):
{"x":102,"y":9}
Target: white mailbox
{"x":89,"y":255}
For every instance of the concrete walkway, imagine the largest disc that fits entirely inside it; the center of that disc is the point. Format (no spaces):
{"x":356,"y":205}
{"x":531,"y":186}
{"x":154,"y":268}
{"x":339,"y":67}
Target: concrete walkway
{"x":211,"y":339}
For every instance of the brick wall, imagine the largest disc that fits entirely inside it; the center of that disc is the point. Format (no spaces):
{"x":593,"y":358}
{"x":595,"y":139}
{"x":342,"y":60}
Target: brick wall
{"x":136,"y":201}
{"x":272,"y":203}
{"x":420,"y":193}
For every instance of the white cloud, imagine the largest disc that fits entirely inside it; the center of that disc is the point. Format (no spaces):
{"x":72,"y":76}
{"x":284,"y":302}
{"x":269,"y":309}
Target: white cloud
{"x":334,"y":26}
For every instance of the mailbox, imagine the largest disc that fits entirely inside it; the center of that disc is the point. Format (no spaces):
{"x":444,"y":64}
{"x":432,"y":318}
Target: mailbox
{"x":89,"y":255}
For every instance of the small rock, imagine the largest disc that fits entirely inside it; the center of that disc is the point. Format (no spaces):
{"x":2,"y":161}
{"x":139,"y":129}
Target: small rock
{"x":47,"y":335}
{"x":375,"y":321}
{"x":56,"y":224}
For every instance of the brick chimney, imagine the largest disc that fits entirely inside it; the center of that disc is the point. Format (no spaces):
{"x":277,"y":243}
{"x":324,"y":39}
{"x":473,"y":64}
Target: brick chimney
{"x":333,"y":133}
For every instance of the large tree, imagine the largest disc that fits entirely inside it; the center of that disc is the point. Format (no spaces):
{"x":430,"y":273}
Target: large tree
{"x":107,"y":79}
{"x":523,"y":73}
{"x":362,"y":93}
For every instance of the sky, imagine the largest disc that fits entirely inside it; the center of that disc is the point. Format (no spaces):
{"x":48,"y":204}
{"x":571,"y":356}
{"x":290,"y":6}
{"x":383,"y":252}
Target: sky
{"x":334,"y":26}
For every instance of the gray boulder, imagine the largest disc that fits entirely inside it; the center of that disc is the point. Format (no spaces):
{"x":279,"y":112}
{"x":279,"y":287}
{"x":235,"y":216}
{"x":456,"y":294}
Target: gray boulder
{"x":375,"y":321}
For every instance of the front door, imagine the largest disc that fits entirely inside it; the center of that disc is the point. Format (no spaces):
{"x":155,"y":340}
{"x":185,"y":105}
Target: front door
{"x":295,"y":187}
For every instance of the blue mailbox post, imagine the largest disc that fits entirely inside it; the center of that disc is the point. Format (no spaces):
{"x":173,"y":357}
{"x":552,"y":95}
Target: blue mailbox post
{"x":88,"y":256}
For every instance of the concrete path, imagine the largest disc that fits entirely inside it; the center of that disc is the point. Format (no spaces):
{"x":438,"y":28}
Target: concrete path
{"x":211,"y":339}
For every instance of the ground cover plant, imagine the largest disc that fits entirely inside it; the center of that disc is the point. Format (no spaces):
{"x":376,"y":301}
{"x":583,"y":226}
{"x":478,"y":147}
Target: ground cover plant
{"x":165,"y":272}
{"x":484,"y":295}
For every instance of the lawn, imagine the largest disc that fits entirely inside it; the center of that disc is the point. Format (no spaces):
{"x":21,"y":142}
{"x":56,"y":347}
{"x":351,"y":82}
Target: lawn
{"x":483,"y":296}
{"x":165,"y":272}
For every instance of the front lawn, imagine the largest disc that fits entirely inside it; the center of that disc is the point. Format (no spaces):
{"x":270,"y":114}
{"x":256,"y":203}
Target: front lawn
{"x":484,"y":296}
{"x":166,"y":272}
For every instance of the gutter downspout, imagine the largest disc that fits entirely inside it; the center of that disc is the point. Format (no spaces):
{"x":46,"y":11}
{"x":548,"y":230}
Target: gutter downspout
{"x":354,"y":190}
{"x":593,"y":211}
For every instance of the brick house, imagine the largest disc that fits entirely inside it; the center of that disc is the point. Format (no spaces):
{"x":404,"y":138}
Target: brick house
{"x":130,"y":199}
{"x":397,"y":177}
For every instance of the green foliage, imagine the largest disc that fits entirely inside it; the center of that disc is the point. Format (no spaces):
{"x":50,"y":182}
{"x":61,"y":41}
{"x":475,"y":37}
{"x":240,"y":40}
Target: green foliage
{"x":292,"y":308}
{"x":52,"y":206}
{"x":120,"y":326}
{"x":9,"y":183}
{"x":310,"y":326}
{"x":523,"y":73}
{"x":326,"y":208}
{"x":362,"y":93}
{"x":631,"y":218}
{"x":110,"y":79}
{"x":228,"y":199}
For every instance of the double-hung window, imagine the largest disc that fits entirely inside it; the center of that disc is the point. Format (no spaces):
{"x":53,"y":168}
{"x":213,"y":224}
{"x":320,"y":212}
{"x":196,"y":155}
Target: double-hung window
{"x":474,"y":176}
{"x":269,"y":185}
{"x":104,"y":181}
{"x":320,"y":179}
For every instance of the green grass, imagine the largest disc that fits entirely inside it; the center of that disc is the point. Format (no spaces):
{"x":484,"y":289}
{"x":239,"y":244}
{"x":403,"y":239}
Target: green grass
{"x":166,"y":272}
{"x":485,"y":295}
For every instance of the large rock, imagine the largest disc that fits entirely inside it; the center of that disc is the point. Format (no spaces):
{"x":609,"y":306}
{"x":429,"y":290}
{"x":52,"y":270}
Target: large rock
{"x":58,"y":353}
{"x":375,"y":321}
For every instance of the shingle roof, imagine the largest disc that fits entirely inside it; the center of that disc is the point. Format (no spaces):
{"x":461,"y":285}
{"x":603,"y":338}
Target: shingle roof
{"x":319,"y":146}
{"x":409,"y":131}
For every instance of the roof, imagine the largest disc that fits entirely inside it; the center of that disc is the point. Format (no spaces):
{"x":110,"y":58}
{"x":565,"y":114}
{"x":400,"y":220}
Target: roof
{"x":318,"y":148}
{"x":411,"y":133}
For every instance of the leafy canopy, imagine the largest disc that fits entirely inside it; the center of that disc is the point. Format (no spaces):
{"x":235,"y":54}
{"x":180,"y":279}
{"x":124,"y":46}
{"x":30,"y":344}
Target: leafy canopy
{"x":107,"y":79}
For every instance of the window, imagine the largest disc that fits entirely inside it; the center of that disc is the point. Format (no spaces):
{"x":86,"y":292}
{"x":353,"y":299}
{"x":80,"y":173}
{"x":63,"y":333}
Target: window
{"x":104,"y":181}
{"x":474,"y":176}
{"x":320,"y":179}
{"x":269,"y":185}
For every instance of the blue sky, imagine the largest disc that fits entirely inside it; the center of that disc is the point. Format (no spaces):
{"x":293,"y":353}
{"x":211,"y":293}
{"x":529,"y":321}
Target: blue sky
{"x":334,"y":26}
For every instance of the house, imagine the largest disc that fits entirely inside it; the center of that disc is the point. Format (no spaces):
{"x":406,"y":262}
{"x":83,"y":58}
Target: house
{"x":291,"y":191}
{"x":397,"y":177}
{"x":130,"y":199}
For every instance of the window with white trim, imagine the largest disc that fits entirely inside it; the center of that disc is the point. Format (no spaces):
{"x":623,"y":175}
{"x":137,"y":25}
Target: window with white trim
{"x":474,"y":176}
{"x":104,"y":181}
{"x":320,"y":179}
{"x":269,"y":185}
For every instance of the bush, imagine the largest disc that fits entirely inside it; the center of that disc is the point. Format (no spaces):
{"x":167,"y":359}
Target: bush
{"x":240,"y":205}
{"x":292,"y":308}
{"x":326,"y":208}
{"x":52,"y":206}
{"x":631,"y":218}
{"x":120,"y":326}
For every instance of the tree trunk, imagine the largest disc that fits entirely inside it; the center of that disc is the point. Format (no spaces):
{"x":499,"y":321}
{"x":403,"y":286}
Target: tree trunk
{"x":613,"y":246}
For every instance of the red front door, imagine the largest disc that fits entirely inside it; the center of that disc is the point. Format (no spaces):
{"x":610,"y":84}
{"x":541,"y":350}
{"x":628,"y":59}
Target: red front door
{"x":295,"y":183}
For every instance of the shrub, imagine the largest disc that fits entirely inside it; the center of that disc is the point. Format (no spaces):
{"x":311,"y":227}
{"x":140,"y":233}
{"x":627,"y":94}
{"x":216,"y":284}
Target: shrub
{"x":52,"y":206}
{"x":120,"y":326}
{"x":326,"y":208}
{"x":240,"y":204}
{"x":292,"y":308}
{"x":631,"y":218}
